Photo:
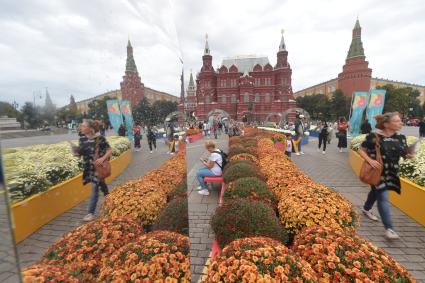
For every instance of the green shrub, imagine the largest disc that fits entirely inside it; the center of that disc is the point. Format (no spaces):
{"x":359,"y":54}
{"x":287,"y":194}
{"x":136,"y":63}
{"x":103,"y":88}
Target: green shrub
{"x":235,"y":162}
{"x":250,"y":143}
{"x":243,"y":218}
{"x":237,"y":150}
{"x":251,"y":188}
{"x":174,"y":217}
{"x":240,"y":170}
{"x":179,"y":192}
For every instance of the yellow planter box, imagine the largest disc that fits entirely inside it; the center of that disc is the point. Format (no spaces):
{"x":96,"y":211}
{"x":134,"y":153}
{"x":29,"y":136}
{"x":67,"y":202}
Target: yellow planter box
{"x":31,"y":214}
{"x":412,"y":198}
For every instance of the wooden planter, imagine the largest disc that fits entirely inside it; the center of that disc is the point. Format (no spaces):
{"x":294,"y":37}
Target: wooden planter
{"x":34,"y":212}
{"x":412,"y":198}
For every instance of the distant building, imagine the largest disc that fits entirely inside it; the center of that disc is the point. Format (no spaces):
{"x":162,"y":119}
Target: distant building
{"x":244,"y":86}
{"x":356,"y":75}
{"x":132,"y":88}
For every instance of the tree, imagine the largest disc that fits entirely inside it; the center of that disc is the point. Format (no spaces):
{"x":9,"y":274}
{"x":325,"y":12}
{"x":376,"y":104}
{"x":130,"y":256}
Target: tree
{"x":98,"y":110}
{"x":30,"y":116}
{"x":49,"y":110}
{"x":7,"y":109}
{"x":162,"y":108}
{"x":340,"y":104}
{"x":144,"y":113}
{"x":317,"y":105}
{"x":396,"y":99}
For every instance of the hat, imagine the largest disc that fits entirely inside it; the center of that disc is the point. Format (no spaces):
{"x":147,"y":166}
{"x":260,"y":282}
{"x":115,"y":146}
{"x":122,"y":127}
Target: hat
{"x":301,"y":116}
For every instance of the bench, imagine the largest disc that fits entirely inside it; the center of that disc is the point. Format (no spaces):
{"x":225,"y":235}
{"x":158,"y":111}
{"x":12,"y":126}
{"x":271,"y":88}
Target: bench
{"x":218,"y":179}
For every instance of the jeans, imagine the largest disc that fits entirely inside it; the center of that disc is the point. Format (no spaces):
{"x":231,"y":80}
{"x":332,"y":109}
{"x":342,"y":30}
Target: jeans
{"x":151,"y":142}
{"x":383,"y":205}
{"x":95,"y":194}
{"x":322,"y":138}
{"x":204,"y":172}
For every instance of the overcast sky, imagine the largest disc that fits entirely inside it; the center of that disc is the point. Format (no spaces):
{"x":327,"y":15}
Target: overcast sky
{"x":79,"y":47}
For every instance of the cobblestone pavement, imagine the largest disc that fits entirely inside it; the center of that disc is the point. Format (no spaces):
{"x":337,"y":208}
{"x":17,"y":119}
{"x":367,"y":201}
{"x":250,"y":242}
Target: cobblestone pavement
{"x":31,"y":249}
{"x":333,"y":170}
{"x":8,"y":259}
{"x":201,"y":209}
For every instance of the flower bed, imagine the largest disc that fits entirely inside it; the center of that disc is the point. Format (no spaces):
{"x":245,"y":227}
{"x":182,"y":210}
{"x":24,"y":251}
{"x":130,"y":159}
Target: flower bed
{"x":192,"y":132}
{"x":34,"y":169}
{"x":143,"y":199}
{"x":302,"y":203}
{"x":341,"y":256}
{"x":411,"y":169}
{"x":102,"y":250}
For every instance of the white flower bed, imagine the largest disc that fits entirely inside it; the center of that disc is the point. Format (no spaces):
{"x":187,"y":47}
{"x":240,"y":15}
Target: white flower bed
{"x":33,"y":169}
{"x":411,"y":169}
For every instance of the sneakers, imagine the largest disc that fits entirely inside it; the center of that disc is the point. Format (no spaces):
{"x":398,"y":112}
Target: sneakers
{"x":302,"y":153}
{"x":204,"y":192}
{"x":369,"y":215}
{"x":340,"y":150}
{"x":88,"y":217}
{"x":151,"y":151}
{"x":391,"y":235}
{"x":323,"y":152}
{"x":297,"y":153}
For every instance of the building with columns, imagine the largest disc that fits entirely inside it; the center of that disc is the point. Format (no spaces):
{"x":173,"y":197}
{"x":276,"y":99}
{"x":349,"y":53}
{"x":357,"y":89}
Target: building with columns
{"x":246,"y":87}
{"x":356,"y":74}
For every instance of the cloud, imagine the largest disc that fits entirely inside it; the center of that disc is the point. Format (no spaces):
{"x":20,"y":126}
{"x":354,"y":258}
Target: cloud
{"x":79,"y":47}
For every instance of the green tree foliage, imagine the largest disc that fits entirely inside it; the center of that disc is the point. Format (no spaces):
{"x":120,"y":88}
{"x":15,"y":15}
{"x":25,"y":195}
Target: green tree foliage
{"x":404,"y":100}
{"x":317,"y":105}
{"x":30,"y":116}
{"x":155,"y":113}
{"x":7,"y":109}
{"x":340,"y":104}
{"x":98,"y":110}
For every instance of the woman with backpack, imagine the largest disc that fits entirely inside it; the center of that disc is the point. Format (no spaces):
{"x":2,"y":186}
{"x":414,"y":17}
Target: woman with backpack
{"x":213,"y":166}
{"x":323,"y":136}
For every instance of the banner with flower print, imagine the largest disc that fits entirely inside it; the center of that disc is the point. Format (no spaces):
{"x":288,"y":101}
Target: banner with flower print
{"x":114,"y":113}
{"x":357,"y":109}
{"x":127,"y":115}
{"x":376,"y":105}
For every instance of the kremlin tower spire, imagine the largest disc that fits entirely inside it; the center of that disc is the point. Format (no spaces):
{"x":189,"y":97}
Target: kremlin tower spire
{"x":356,"y":74}
{"x":132,"y":89}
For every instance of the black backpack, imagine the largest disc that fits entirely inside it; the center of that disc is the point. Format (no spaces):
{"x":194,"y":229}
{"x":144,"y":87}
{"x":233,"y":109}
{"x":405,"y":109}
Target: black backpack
{"x":224,"y":158}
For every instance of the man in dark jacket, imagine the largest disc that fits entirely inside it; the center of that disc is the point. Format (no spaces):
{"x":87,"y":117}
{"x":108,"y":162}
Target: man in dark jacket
{"x":422,"y":128}
{"x":366,"y":128}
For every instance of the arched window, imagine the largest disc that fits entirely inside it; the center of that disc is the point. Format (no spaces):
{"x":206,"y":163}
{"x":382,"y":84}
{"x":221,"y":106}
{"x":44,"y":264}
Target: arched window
{"x":233,"y":98}
{"x":257,"y":97}
{"x":267,"y":98}
{"x":246,"y":97}
{"x":207,"y":99}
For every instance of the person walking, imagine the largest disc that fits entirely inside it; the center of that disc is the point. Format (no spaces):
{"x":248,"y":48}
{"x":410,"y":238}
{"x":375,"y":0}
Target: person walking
{"x":137,"y":133}
{"x":151,"y":137}
{"x":122,"y":131}
{"x":213,"y":167}
{"x":392,"y":146}
{"x":94,"y":149}
{"x":366,"y":127}
{"x":422,"y":128}
{"x":215,"y":128}
{"x":323,"y":136}
{"x":343,"y":127}
{"x":299,"y":133}
{"x":288,"y":147}
{"x":206,"y":126}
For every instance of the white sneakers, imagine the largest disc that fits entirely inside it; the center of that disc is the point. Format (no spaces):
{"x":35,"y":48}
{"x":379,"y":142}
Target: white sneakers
{"x":151,"y":151}
{"x":302,"y":153}
{"x":369,"y":215}
{"x":340,"y":150}
{"x":204,"y":192}
{"x":391,"y":235}
{"x":297,"y":153}
{"x":88,"y":217}
{"x":323,"y":152}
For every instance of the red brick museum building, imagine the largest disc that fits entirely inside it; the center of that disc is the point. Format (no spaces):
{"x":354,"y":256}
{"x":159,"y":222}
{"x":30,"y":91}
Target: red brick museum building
{"x":246,"y":87}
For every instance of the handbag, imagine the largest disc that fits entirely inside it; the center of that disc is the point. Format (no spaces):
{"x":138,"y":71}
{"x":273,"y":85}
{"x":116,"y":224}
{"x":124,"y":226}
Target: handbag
{"x":103,"y":170}
{"x":368,"y":174}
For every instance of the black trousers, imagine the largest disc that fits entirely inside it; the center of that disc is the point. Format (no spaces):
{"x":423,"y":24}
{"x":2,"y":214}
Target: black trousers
{"x":151,"y":142}
{"x":322,"y":139}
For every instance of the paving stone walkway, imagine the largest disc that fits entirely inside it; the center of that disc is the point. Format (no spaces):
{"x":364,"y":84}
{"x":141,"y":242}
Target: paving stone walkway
{"x":31,"y":249}
{"x":201,"y":209}
{"x":333,"y":170}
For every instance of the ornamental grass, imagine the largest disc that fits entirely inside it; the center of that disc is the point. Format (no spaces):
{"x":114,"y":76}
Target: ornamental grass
{"x":83,"y":249}
{"x":174,"y":217}
{"x":144,"y":199}
{"x":40,"y":273}
{"x":259,"y":260}
{"x":251,"y":188}
{"x":243,"y":218}
{"x":342,"y":256}
{"x":238,"y":170}
{"x":314,"y":204}
{"x":159,"y":256}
